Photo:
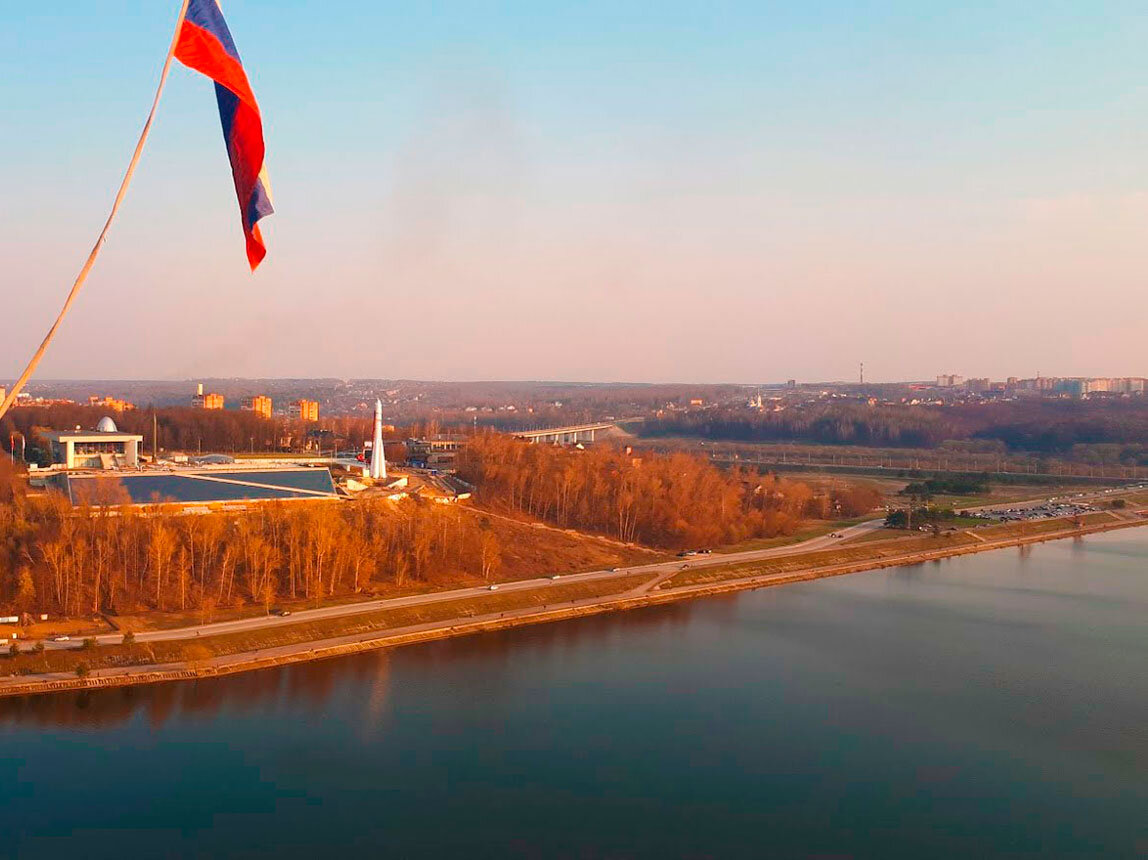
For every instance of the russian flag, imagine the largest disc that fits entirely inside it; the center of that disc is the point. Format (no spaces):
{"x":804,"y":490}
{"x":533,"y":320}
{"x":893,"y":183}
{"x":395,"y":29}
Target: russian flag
{"x":205,"y":44}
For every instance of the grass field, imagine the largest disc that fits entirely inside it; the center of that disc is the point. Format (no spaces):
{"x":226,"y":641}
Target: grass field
{"x":204,"y":648}
{"x":844,"y":554}
{"x":851,"y":553}
{"x":960,"y":523}
{"x":879,"y":534}
{"x":74,"y":627}
{"x":817,"y":528}
{"x":892,"y":463}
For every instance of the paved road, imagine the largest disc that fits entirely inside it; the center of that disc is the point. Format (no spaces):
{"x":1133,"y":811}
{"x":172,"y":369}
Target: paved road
{"x":664,"y":568}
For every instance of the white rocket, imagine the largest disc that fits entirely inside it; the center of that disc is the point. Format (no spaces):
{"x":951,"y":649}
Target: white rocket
{"x":378,"y":460}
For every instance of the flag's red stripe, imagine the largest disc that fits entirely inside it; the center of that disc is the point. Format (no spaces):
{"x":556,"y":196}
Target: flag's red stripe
{"x":200,"y":50}
{"x":256,"y":250}
{"x":245,"y":149}
{"x":207,"y":15}
{"x":243,"y":131}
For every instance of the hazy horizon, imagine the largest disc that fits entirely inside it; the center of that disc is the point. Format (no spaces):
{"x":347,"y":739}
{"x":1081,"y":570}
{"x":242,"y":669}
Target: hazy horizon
{"x":713,"y":383}
{"x":662,"y":194}
{"x":172,"y":380}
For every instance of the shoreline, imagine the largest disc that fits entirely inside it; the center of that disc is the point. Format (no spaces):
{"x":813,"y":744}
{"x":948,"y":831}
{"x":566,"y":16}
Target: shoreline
{"x":431,"y":631}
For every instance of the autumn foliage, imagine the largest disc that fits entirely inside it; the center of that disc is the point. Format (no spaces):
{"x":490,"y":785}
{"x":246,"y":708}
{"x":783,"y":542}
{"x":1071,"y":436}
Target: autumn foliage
{"x":107,"y":556}
{"x":677,"y":500}
{"x":84,"y":560}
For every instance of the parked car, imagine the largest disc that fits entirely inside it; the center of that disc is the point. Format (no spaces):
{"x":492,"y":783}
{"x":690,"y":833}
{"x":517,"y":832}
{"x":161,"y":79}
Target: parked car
{"x":493,"y":587}
{"x":282,"y":613}
{"x":61,"y":638}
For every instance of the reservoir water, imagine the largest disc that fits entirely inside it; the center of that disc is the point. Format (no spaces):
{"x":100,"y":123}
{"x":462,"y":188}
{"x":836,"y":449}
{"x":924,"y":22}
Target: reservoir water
{"x":981,"y":706}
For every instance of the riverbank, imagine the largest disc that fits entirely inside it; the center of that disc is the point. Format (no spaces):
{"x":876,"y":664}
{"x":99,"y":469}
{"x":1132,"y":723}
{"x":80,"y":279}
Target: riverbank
{"x":627,"y":590}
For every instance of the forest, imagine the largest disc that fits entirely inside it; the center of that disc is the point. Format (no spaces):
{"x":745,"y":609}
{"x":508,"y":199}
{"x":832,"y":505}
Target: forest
{"x":1037,"y":426}
{"x":671,"y":501}
{"x":90,"y":559}
{"x":86,"y":560}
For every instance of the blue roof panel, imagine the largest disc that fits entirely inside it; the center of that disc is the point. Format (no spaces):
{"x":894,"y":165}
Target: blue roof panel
{"x":201,"y":486}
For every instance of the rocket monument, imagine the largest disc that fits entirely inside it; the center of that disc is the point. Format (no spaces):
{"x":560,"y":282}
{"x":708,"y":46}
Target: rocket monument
{"x":378,"y":459}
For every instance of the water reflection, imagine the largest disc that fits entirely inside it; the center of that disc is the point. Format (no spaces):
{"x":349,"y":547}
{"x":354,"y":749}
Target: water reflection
{"x":305,"y":684}
{"x":910,"y":572}
{"x":982,"y":705}
{"x":312,"y":686}
{"x":364,"y":681}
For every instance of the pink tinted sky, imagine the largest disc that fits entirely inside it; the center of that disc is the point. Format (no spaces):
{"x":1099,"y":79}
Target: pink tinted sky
{"x":751,"y":193}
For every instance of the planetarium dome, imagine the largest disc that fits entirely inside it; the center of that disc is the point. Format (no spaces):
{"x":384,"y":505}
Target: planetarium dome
{"x":107,"y":425}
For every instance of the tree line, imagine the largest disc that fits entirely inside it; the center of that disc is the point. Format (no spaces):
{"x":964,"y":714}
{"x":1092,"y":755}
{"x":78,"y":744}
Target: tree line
{"x":1038,"y":426}
{"x":959,"y":485}
{"x":673,"y":501}
{"x":86,"y":559}
{"x":184,"y":429}
{"x":104,"y":555}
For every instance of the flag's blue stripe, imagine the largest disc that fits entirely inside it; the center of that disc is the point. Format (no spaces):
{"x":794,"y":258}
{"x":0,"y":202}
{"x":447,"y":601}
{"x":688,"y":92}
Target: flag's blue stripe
{"x":259,"y":206}
{"x":228,"y":102}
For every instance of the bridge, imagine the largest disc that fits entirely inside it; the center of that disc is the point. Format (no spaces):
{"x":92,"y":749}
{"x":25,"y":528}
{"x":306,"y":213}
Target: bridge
{"x":567,"y":435}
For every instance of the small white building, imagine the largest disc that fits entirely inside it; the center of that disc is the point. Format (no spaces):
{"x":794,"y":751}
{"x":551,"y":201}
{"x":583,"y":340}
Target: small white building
{"x":103,"y":448}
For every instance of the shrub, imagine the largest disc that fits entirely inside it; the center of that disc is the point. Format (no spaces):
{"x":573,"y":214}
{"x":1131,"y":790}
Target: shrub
{"x":14,"y":649}
{"x":88,"y":644}
{"x":129,"y":638}
{"x":38,"y":648}
{"x":82,"y":670}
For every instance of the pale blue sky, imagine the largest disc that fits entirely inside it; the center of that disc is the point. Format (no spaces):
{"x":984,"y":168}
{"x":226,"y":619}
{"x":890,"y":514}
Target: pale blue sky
{"x":717,"y":191}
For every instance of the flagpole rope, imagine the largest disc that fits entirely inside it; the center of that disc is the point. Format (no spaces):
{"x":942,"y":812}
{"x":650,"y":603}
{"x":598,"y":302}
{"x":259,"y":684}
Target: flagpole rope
{"x":83,"y":276}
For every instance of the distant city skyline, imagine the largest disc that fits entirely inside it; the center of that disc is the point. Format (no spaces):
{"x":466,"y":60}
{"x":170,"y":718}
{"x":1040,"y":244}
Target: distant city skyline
{"x":656,"y":193}
{"x":941,"y":380}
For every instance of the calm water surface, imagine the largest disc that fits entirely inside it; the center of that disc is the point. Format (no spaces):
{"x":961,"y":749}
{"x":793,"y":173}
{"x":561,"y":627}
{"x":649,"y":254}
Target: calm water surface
{"x":989,"y":705}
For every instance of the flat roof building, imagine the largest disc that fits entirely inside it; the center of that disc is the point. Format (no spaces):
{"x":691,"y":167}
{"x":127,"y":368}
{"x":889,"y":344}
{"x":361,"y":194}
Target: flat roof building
{"x":307,"y":410}
{"x":260,"y":404}
{"x":435,"y":452}
{"x":206,"y":401}
{"x":102,"y":448}
{"x":113,"y":403}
